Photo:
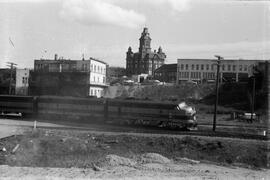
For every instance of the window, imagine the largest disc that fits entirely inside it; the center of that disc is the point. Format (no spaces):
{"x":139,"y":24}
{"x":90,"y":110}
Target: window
{"x":202,"y":67}
{"x":233,"y":67}
{"x":182,"y":66}
{"x":91,"y":92}
{"x":229,"y":67}
{"x":245,"y":68}
{"x":192,"y":75}
{"x":212,"y":67}
{"x":104,"y":80}
{"x":240,"y":67}
{"x":84,"y":67}
{"x":24,"y":80}
{"x":207,"y":66}
{"x":94,"y":68}
{"x":197,"y":67}
{"x":223,"y":67}
{"x":186,"y":66}
{"x":94,"y":78}
{"x":192,"y":67}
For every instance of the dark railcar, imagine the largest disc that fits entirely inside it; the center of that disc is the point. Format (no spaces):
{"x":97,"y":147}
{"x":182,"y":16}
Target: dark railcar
{"x":23,"y":105}
{"x":101,"y":110}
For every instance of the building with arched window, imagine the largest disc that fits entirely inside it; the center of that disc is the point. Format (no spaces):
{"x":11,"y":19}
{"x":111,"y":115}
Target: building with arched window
{"x":144,"y":61}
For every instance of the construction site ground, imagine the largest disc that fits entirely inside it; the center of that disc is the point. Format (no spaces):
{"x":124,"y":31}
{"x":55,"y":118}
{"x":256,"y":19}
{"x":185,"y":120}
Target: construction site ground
{"x":69,"y":154}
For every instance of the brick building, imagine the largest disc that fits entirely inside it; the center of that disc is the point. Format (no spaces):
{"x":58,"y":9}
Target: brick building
{"x":166,"y":73}
{"x":144,"y":61}
{"x":205,"y":70}
{"x":69,"y":77}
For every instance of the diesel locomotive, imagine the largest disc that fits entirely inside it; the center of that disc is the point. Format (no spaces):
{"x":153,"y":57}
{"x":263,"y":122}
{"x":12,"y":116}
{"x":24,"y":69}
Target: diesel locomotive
{"x":132,"y":112}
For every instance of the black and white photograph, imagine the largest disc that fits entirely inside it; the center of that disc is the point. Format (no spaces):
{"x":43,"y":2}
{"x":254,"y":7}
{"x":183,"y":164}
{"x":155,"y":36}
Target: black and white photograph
{"x":134,"y":89}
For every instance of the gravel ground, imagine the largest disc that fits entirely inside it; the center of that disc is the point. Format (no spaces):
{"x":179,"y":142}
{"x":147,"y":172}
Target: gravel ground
{"x":142,"y":171}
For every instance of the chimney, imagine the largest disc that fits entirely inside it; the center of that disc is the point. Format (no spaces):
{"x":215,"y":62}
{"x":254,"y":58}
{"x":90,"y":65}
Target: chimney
{"x":55,"y":57}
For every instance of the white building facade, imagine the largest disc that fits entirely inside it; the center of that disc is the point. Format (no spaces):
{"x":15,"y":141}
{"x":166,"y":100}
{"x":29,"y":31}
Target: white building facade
{"x":22,"y":81}
{"x":204,"y":70}
{"x":97,"y":77}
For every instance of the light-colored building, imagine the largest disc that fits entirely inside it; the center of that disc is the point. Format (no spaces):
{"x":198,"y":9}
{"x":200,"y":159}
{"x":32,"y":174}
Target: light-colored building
{"x":204,"y":70}
{"x":94,"y":70}
{"x":22,"y":81}
{"x":97,"y":77}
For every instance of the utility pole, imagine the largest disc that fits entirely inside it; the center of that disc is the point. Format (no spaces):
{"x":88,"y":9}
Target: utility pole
{"x":11,"y":65}
{"x":253,"y":98}
{"x":217,"y":85}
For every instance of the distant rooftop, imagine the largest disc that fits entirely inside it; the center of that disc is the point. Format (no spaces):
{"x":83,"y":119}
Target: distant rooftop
{"x":62,"y":60}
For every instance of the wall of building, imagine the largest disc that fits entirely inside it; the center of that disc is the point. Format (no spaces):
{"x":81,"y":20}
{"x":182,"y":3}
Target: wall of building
{"x":59,"y":83}
{"x":96,"y":91}
{"x":97,"y":73}
{"x":95,"y":69}
{"x":5,"y":81}
{"x":22,"y":78}
{"x":97,"y":78}
{"x":205,"y":70}
{"x":166,"y":73}
{"x":62,"y":65}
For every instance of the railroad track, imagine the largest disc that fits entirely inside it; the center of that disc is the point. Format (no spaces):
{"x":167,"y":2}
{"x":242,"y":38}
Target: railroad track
{"x":153,"y":130}
{"x":228,"y":131}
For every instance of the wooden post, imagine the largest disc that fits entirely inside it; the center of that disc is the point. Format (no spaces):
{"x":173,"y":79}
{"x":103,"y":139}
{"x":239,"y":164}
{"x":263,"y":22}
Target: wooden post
{"x":217,"y":85}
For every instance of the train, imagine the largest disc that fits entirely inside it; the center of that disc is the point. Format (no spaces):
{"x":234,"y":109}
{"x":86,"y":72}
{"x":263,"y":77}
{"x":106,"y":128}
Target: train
{"x":113,"y":111}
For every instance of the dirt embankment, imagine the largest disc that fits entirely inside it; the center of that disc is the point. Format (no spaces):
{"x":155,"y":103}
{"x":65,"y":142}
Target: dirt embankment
{"x":158,"y":93}
{"x":59,"y":148}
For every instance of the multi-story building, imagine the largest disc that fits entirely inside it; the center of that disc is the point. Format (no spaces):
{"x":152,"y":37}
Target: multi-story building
{"x":166,"y":73}
{"x":22,"y":79}
{"x":97,"y":77}
{"x":69,"y":77}
{"x":14,"y":81}
{"x":145,"y":61}
{"x":200,"y":70}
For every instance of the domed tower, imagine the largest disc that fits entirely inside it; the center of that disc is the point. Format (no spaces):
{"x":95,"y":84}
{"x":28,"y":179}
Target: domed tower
{"x":145,"y":42}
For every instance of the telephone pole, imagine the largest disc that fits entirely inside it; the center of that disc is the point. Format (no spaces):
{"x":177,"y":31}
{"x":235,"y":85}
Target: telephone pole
{"x":217,"y":85}
{"x":11,"y":65}
{"x":253,"y":97}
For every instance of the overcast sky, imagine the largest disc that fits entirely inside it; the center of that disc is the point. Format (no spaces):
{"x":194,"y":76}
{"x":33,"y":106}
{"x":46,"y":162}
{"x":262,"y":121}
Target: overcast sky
{"x":104,"y":29}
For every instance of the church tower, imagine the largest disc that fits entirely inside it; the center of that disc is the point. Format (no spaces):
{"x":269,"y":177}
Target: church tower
{"x":145,"y":42}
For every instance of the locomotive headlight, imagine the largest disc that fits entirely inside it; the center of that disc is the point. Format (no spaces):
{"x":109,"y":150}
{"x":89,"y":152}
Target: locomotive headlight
{"x":190,"y":121}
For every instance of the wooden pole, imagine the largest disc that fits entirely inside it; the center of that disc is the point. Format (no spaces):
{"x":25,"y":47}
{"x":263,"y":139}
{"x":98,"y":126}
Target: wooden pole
{"x":217,"y":85}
